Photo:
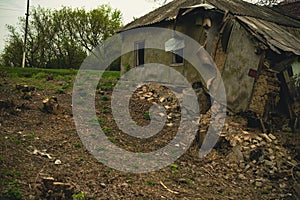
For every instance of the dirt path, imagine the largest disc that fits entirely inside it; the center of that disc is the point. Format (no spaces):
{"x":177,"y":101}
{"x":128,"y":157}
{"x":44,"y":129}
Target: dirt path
{"x":42,"y":157}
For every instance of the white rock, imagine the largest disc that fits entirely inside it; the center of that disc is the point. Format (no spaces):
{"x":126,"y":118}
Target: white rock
{"x":167,"y":107}
{"x":170,"y":124}
{"x":161,"y":114}
{"x":57,"y":162}
{"x":162,"y":99}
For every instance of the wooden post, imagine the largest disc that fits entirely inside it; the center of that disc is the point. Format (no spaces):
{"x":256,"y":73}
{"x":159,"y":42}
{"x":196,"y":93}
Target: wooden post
{"x":25,"y":36}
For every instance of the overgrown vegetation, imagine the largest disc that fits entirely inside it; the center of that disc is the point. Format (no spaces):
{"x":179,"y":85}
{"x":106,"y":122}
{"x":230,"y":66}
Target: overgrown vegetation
{"x":36,"y":77}
{"x":60,"y":38}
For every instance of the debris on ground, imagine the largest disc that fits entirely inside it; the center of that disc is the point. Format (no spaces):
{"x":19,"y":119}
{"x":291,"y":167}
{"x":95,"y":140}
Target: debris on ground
{"x":50,"y":105}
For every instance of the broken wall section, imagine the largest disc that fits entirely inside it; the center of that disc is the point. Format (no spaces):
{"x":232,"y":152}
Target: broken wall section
{"x":265,"y":97}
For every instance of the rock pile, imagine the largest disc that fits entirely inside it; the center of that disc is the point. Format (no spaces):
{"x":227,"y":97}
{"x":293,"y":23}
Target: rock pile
{"x":253,"y":155}
{"x":248,"y":154}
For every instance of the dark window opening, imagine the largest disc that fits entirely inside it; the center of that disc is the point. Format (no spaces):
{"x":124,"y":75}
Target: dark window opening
{"x":139,"y":53}
{"x":177,"y":56}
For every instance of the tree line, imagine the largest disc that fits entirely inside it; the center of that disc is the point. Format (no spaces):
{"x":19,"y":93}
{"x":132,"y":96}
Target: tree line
{"x":60,"y":38}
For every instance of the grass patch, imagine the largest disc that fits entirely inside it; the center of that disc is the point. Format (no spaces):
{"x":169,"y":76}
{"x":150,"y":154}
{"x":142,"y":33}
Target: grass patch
{"x":36,"y":77}
{"x":104,"y":98}
{"x":12,"y":193}
{"x":112,"y":139}
{"x":23,"y":140}
{"x":79,"y":196}
{"x":174,"y":168}
{"x":106,"y":130}
{"x":31,"y":135}
{"x":152,"y":183}
{"x":147,"y":116}
{"x":77,"y":145}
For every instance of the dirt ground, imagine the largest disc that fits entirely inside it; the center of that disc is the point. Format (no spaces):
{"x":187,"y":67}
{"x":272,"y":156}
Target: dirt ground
{"x":42,"y":157}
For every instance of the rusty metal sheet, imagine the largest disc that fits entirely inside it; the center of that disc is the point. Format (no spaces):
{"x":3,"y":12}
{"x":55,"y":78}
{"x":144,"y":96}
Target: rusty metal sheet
{"x":272,"y":35}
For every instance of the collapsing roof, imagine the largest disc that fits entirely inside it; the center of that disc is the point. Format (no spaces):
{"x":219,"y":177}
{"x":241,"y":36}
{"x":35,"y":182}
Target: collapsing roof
{"x":276,"y":31}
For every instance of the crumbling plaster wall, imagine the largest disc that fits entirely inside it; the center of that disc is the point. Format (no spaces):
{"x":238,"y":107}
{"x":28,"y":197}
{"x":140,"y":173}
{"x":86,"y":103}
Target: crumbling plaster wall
{"x":241,"y":57}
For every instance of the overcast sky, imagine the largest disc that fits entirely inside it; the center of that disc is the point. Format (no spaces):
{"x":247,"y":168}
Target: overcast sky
{"x":11,"y":10}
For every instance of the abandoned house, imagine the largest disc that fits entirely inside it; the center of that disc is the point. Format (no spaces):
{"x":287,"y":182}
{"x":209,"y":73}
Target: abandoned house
{"x":256,"y":49}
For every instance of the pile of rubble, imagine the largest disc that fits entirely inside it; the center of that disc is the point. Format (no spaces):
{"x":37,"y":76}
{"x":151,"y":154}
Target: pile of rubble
{"x":157,"y":94}
{"x":260,"y":152}
{"x":255,"y":156}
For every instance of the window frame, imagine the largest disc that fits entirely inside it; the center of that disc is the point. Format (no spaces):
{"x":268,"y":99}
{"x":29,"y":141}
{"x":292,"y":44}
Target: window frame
{"x":137,"y":51}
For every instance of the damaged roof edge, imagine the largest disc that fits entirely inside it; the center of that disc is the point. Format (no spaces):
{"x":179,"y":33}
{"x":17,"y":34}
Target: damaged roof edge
{"x":169,"y":12}
{"x":272,"y":35}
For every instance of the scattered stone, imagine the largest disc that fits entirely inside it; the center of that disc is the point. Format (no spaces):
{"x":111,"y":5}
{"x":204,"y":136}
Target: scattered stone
{"x":235,"y":155}
{"x":259,"y":138}
{"x":258,"y":184}
{"x":41,"y":153}
{"x":282,"y":185}
{"x":125,"y":185}
{"x":50,"y":105}
{"x":247,"y":138}
{"x":103,"y":185}
{"x":270,"y":151}
{"x":161,"y":114}
{"x":242,"y":176}
{"x":57,"y":162}
{"x":268,"y":163}
{"x":272,"y":157}
{"x":272,"y":136}
{"x":268,"y":139}
{"x":162,"y":99}
{"x":247,"y":167}
{"x":169,"y":124}
{"x":167,"y":107}
{"x":56,"y":190}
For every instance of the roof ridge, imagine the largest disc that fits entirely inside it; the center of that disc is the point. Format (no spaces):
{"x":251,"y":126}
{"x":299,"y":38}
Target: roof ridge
{"x":236,"y":7}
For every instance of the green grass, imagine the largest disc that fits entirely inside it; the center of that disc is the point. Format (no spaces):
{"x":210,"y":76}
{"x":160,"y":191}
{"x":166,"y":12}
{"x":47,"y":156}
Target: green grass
{"x":36,"y":77}
{"x":112,"y":139}
{"x":106,"y":130}
{"x":35,"y":73}
{"x":12,"y":193}
{"x":79,"y":196}
{"x":174,"y":168}
{"x":147,"y":116}
{"x":152,"y":183}
{"x":77,"y":145}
